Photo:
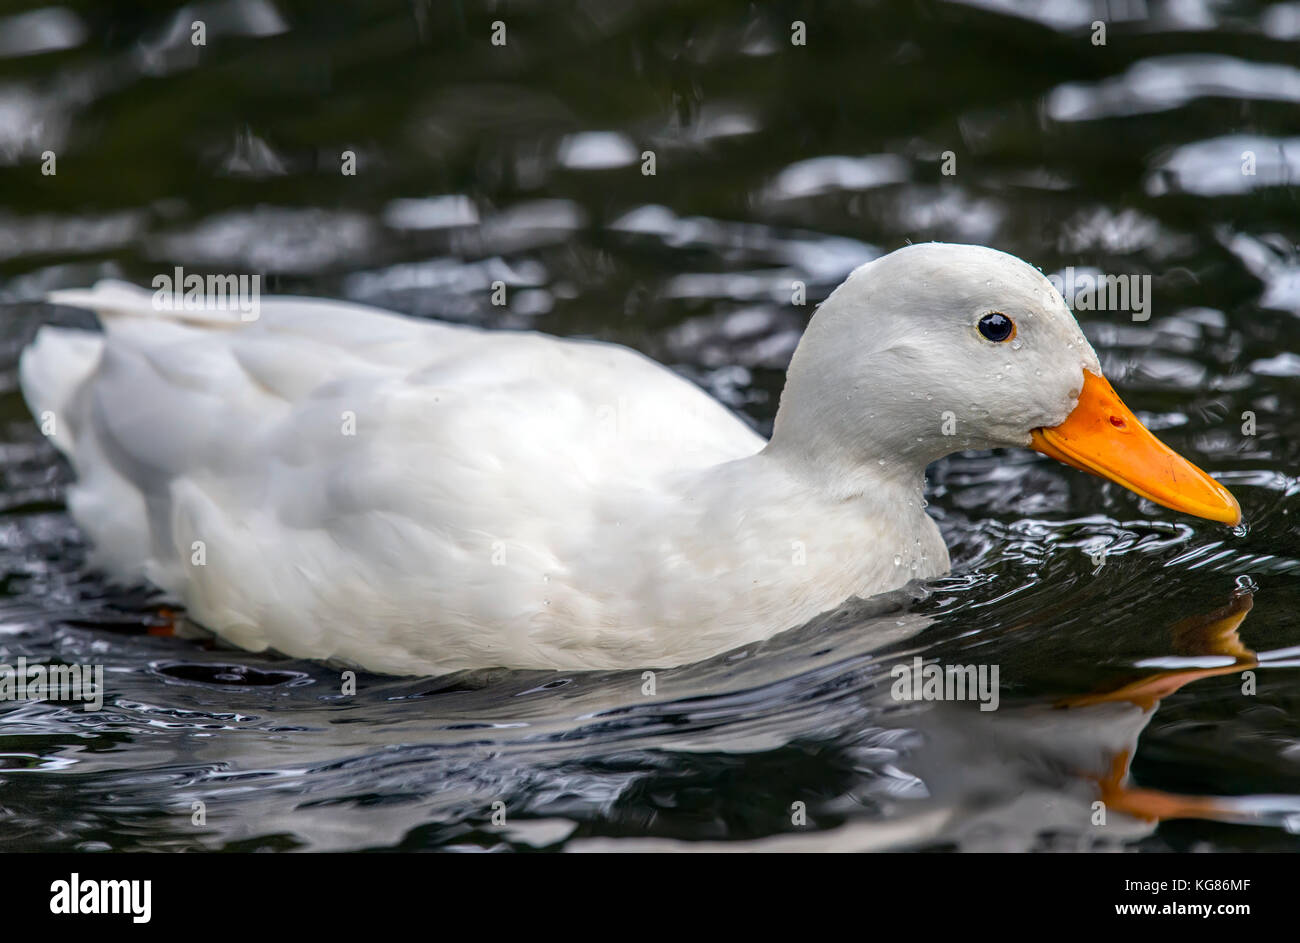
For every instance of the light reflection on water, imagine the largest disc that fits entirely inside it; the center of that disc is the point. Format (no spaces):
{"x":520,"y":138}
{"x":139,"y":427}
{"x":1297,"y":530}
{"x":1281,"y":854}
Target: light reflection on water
{"x":775,"y":165}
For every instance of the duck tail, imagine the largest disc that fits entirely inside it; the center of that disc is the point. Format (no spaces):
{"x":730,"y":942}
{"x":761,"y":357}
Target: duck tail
{"x":51,"y":370}
{"x":108,"y":297}
{"x":114,"y":301}
{"x":59,"y":360}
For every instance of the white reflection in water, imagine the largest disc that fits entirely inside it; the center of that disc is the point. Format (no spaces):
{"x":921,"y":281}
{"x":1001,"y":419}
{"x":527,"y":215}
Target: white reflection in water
{"x":1167,"y":82}
{"x":1235,"y":163}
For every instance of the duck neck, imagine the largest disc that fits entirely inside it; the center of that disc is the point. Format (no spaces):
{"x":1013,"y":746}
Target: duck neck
{"x":842,"y":471}
{"x":779,"y":489}
{"x":785,"y":536}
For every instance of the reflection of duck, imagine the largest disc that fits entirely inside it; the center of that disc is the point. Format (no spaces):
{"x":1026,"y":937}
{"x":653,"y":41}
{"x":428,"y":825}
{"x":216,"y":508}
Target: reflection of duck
{"x":335,"y":481}
{"x":1213,"y":634}
{"x":1015,"y":779}
{"x":1025,"y":777}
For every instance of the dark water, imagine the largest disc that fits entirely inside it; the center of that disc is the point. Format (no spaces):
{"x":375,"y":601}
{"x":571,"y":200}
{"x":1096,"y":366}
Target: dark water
{"x":774,"y":162}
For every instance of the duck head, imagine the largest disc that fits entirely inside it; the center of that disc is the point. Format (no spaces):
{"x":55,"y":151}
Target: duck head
{"x":936,"y":348}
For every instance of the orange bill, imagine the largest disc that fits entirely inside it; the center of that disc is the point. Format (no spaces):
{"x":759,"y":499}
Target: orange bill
{"x":1102,"y":436}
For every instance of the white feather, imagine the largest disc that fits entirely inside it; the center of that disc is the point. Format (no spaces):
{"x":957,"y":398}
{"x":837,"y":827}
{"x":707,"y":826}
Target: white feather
{"x":510,"y":498}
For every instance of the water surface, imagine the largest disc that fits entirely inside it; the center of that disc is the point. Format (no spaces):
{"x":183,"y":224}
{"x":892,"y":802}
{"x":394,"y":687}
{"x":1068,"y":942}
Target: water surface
{"x":1112,"y":621}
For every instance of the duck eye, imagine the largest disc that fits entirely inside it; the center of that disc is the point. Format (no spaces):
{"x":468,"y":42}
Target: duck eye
{"x":997,"y":327}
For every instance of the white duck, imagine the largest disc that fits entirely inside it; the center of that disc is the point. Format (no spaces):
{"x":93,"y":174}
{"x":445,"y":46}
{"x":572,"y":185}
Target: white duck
{"x":409,"y":497}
